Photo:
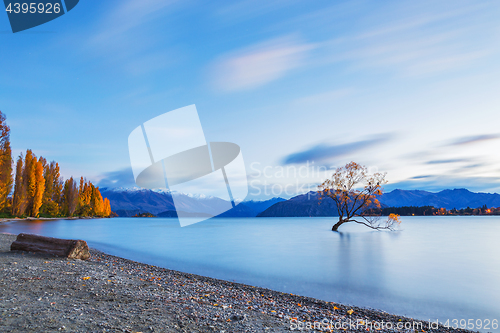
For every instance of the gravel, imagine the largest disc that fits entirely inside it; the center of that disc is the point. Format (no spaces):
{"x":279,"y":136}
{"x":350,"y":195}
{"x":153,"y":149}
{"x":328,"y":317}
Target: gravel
{"x":111,"y":294}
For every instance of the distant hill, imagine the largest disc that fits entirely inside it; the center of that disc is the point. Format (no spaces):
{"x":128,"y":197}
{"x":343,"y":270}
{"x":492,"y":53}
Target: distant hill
{"x":240,"y":210}
{"x":308,"y":204}
{"x":260,"y":206}
{"x":173,"y":213}
{"x":301,"y":206}
{"x":127,"y":202}
{"x":449,"y":199}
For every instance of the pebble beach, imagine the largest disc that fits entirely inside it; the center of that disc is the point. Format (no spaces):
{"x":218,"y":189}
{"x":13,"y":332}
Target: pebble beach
{"x":40,"y":293}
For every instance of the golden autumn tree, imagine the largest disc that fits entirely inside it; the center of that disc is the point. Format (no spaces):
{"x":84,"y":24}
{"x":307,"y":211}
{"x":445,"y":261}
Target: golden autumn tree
{"x":53,"y":188}
{"x":107,"y":207}
{"x":58,"y":187}
{"x":19,"y":193}
{"x":85,"y":198}
{"x":30,"y":185}
{"x":97,"y":202}
{"x":26,"y":189}
{"x":90,"y":201}
{"x":39,"y":188}
{"x":353,"y":190}
{"x":29,"y":179}
{"x":101,"y":207}
{"x":70,"y":197}
{"x":6,"y":179}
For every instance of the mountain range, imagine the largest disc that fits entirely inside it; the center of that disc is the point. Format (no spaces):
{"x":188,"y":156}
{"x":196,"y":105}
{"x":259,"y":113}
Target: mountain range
{"x":128,"y":202}
{"x":309,"y":205}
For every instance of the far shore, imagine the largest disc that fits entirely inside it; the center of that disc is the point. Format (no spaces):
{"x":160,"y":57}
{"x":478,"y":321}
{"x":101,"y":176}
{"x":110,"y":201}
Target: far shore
{"x":16,"y":219}
{"x":113,"y":294}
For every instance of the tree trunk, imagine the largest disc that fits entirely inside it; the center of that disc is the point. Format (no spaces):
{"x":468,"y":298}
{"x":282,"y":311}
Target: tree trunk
{"x":68,"y":248}
{"x":337,"y":225}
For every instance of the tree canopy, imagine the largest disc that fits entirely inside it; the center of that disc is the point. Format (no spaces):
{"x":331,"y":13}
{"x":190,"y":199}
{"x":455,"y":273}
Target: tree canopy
{"x":6,"y":179}
{"x":39,"y":189}
{"x":354,"y":190}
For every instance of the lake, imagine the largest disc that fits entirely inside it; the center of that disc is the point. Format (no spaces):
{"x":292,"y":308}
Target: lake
{"x":445,"y":267}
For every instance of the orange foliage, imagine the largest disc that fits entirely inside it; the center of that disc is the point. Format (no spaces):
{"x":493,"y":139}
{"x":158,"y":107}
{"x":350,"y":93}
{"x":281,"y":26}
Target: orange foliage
{"x":353,"y":190}
{"x":39,"y":187}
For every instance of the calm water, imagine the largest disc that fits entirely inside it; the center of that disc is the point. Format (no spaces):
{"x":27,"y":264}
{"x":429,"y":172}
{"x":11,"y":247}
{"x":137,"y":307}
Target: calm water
{"x":435,"y":268}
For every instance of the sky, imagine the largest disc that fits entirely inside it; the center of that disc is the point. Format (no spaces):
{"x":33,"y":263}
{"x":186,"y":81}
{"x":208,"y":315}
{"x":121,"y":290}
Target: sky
{"x":410,"y":88}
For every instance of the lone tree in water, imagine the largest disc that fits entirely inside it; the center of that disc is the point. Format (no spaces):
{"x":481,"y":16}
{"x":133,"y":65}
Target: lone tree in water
{"x":353,"y":190}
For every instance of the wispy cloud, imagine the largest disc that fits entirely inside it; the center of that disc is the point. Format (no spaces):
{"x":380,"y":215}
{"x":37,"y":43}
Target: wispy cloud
{"x":324,"y":152}
{"x":473,"y":166}
{"x":259,"y":64}
{"x":408,"y":43}
{"x":422,"y":177}
{"x":130,"y":14}
{"x":474,"y":139}
{"x":416,"y":56}
{"x":118,"y":178}
{"x":451,"y":160}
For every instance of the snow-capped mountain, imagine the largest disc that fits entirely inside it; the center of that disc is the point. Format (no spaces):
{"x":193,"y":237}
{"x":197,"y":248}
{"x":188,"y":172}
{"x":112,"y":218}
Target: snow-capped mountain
{"x":131,"y":201}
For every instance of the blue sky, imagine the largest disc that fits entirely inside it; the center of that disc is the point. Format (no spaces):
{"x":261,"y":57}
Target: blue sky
{"x":406,"y":87}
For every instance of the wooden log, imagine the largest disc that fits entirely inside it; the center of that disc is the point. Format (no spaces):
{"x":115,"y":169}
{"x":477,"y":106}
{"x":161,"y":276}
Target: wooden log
{"x":68,"y":248}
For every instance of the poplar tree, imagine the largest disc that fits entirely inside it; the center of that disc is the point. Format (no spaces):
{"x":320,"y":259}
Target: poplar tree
{"x":58,"y":186}
{"x":30,"y":185}
{"x":53,"y":187}
{"x":18,"y":189}
{"x":97,"y":202}
{"x":107,"y":207}
{"x":6,"y":178}
{"x":25,"y":184}
{"x":39,"y":188}
{"x":85,"y":204}
{"x":29,"y":182}
{"x":70,"y":197}
{"x":90,"y":201}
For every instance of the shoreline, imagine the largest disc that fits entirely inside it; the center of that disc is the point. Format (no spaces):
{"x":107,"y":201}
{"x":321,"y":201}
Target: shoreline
{"x":18,"y":219}
{"x":113,"y":294}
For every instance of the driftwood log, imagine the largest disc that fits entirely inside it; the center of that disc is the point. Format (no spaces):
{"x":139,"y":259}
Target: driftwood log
{"x":68,"y":248}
